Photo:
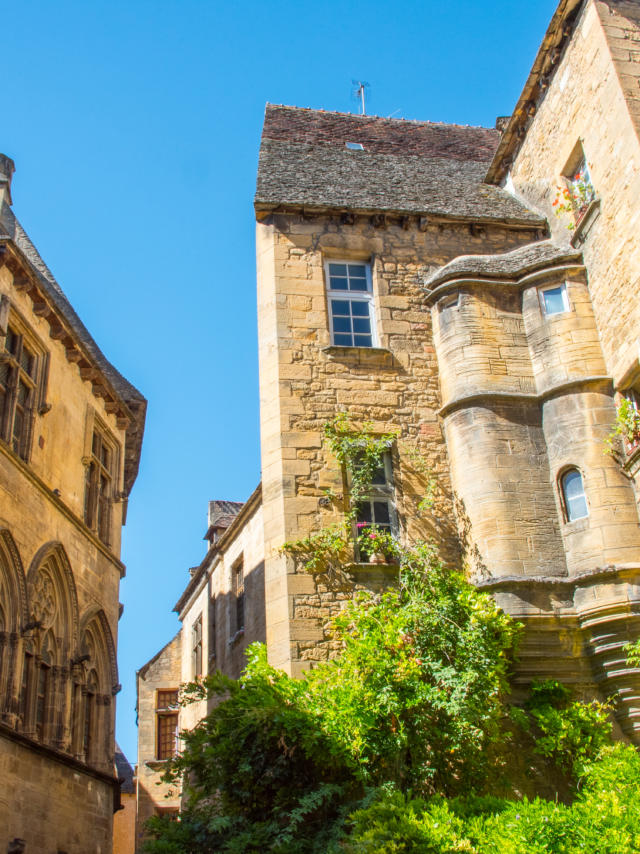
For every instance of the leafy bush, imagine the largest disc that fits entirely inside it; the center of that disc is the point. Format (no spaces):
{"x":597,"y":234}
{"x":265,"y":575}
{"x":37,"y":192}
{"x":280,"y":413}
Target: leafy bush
{"x":415,"y":699}
{"x":604,"y":819}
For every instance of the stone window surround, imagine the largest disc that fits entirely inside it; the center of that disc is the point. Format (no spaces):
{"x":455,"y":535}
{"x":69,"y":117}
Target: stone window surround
{"x":98,"y":507}
{"x":196,"y":647}
{"x":165,"y":713}
{"x":10,"y":318}
{"x":362,"y":296}
{"x":562,"y":473}
{"x":563,"y":286}
{"x":382,"y":492}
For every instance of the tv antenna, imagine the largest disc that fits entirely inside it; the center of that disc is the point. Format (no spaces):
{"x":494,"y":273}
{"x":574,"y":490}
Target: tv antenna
{"x":359,"y":92}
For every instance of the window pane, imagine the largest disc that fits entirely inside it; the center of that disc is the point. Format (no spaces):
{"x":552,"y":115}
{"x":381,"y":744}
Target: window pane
{"x":362,"y":324}
{"x":357,"y":271}
{"x":574,"y":497}
{"x":381,"y":513}
{"x":341,"y":324}
{"x":337,"y":269}
{"x":12,"y":342}
{"x":27,"y":361}
{"x":554,"y":300}
{"x":23,"y":393}
{"x":362,"y":341}
{"x":359,"y":309}
{"x":380,"y":477}
{"x":358,"y":284}
{"x":343,"y":340}
{"x":363,"y":513}
{"x":339,"y":306}
{"x":167,"y":698}
{"x":339,"y":284}
{"x":5,"y":372}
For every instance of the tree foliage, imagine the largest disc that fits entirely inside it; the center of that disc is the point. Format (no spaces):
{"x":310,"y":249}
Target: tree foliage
{"x":393,"y":745}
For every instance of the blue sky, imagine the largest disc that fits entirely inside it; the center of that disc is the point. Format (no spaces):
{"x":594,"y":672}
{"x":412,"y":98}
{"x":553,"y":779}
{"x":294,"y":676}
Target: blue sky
{"x":135,"y":129}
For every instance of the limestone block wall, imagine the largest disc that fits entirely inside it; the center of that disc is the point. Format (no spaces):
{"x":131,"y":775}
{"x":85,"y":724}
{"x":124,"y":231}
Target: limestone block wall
{"x":565,"y":346}
{"x":164,"y":671}
{"x":500,"y":472}
{"x":593,"y":98}
{"x":575,"y":427}
{"x":214,"y":602}
{"x":60,"y":440}
{"x":304,"y":381}
{"x":53,"y":806}
{"x":510,"y":441}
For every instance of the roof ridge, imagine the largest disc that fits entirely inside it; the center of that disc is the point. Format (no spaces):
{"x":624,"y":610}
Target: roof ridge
{"x":377,"y":118}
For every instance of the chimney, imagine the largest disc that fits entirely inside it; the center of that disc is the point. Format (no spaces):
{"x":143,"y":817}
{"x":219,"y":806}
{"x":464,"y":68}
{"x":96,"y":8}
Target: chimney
{"x":7,"y":168}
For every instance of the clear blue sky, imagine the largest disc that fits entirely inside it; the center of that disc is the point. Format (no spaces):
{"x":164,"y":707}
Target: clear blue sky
{"x":135,"y":129}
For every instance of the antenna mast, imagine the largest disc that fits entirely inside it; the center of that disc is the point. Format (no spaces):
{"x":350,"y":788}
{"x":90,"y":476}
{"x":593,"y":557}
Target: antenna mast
{"x":360,"y":85}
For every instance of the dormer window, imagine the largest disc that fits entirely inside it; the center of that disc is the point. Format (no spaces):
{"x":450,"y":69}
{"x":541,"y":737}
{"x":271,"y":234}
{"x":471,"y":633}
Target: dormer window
{"x":354,"y":146}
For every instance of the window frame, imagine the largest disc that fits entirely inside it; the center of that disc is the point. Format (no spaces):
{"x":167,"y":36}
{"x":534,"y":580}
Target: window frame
{"x":197,"y":658}
{"x":239,"y":596}
{"x":98,"y":506}
{"x":167,"y":712}
{"x":565,"y":299}
{"x":33,"y":380}
{"x":563,"y":495}
{"x":380,"y":492}
{"x":366,"y":297}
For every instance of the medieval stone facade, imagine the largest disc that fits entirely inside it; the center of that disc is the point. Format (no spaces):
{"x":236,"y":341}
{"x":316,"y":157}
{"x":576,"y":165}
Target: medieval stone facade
{"x":221,"y":612}
{"x":70,"y":433}
{"x":417,"y":277}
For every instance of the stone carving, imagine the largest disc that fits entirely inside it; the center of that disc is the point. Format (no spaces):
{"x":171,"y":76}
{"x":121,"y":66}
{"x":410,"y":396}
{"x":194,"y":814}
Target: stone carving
{"x":44,"y":600}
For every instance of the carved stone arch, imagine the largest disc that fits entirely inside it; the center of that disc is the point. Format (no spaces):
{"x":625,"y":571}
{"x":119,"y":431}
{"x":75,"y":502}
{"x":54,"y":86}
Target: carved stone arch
{"x":51,"y":559}
{"x":95,"y":625}
{"x":12,"y":572}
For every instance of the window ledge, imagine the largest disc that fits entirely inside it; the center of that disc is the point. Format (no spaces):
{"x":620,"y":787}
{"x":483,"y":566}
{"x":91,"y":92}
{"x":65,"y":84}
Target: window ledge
{"x":335,"y":352}
{"x":236,"y":637}
{"x":359,"y":566}
{"x":577,"y":525}
{"x":157,"y":764}
{"x":584,"y":224}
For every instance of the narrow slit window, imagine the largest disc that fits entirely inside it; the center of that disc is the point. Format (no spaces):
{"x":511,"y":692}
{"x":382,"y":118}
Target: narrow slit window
{"x":573,"y":494}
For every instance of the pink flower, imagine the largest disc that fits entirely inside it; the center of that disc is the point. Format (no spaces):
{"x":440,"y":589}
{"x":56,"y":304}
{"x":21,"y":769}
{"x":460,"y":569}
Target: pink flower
{"x":372,"y":536}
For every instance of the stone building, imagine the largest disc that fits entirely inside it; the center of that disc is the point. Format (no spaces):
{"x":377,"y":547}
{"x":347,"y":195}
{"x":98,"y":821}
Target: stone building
{"x":124,"y":820}
{"x":475,"y":292}
{"x":221,"y":612}
{"x":70,"y":433}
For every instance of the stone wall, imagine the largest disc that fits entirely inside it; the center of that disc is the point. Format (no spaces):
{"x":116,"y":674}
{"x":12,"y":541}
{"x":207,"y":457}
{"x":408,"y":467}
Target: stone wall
{"x":54,"y":806}
{"x":304,"y":382}
{"x":593,"y":98}
{"x":214,"y":602}
{"x":164,"y":671}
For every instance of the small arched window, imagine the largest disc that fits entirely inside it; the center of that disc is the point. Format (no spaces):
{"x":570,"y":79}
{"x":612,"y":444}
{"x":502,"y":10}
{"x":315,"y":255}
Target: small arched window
{"x":573,"y":495}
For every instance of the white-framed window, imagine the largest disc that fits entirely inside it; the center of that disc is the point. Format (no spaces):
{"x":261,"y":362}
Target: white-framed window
{"x":554,"y":300}
{"x":350,"y":299}
{"x":377,"y":509}
{"x":574,"y":498}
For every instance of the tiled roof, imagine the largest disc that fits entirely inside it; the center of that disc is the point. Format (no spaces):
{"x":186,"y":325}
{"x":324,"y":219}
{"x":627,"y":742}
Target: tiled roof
{"x":508,"y":265}
{"x":124,"y":771}
{"x":222,"y":513}
{"x":404,"y":167}
{"x":11,"y":230}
